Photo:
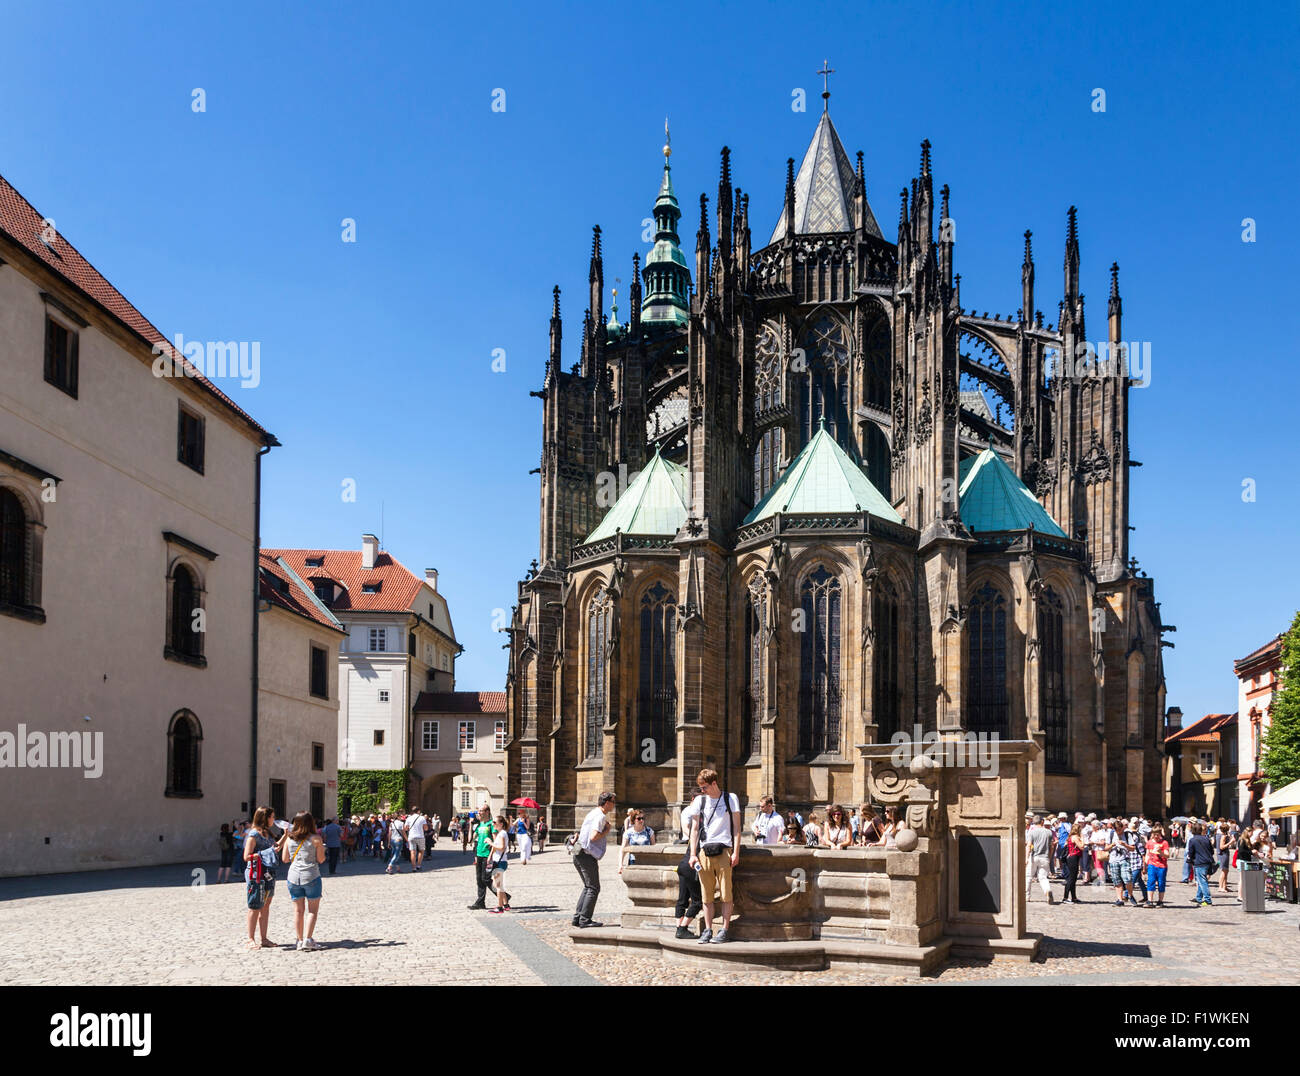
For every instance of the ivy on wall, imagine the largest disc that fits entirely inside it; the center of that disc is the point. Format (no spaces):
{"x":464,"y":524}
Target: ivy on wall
{"x":373,"y":790}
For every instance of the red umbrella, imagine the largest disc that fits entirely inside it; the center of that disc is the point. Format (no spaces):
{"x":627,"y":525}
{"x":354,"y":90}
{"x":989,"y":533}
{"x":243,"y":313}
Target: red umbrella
{"x":525,"y":801}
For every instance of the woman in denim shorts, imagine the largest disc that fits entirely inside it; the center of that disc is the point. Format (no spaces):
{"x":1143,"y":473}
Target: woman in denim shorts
{"x":304,"y":851}
{"x":261,"y":848}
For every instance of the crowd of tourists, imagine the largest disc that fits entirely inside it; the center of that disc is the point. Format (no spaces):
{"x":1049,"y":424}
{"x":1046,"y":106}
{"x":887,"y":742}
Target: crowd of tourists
{"x":1132,"y":855}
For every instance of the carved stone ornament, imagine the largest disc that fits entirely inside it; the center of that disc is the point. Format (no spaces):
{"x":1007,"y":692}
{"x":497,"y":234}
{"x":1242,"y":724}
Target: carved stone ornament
{"x":1095,"y":465}
{"x":950,"y":400}
{"x":924,"y":416}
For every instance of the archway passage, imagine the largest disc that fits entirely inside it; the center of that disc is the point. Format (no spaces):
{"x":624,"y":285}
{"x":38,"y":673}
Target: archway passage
{"x":450,"y":793}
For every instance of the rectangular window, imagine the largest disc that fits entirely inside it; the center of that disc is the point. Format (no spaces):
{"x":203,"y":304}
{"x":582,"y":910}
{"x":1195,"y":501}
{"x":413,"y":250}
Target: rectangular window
{"x":378,"y":638}
{"x":1207,"y":761}
{"x":318,"y":756}
{"x":383,"y":694}
{"x":464,"y":798}
{"x":468,"y":733}
{"x":320,"y":679}
{"x":61,"y":356}
{"x":279,"y":800}
{"x":410,"y":643}
{"x":379,"y":737}
{"x":189,"y":439}
{"x":430,"y":735}
{"x":370,"y":588}
{"x":318,"y":801}
{"x":499,"y":741}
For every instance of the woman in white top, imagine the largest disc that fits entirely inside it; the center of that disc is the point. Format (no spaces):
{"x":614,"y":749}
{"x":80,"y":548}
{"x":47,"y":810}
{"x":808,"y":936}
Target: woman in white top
{"x":892,"y":827}
{"x":839,"y":829}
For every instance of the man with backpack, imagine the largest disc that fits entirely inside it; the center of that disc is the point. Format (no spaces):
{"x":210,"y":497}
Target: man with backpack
{"x":715,"y":849}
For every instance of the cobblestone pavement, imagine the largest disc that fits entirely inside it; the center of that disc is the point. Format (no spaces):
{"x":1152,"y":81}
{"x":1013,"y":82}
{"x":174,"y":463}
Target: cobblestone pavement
{"x":157,"y":926}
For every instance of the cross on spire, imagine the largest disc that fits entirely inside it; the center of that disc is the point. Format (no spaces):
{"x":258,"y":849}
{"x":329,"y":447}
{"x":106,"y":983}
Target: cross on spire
{"x":826,"y":72}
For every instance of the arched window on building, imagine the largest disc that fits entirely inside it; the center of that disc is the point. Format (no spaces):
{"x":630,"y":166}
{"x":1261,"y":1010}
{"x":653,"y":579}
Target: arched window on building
{"x":598,"y":634}
{"x":824,"y":385}
{"x":769,"y":393}
{"x":185,"y":635}
{"x":1051,"y":679}
{"x":885,"y":688}
{"x":184,"y":743}
{"x":657,"y":680}
{"x":14,"y":584}
{"x":819,"y":664}
{"x":755,"y":663}
{"x":986,"y":709}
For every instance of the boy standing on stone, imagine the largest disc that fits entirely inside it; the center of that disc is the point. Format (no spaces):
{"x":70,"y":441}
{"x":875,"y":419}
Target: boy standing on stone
{"x":715,"y":849}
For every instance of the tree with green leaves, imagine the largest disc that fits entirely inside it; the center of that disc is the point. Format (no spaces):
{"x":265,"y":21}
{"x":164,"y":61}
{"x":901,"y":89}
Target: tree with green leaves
{"x":1280,"y":754}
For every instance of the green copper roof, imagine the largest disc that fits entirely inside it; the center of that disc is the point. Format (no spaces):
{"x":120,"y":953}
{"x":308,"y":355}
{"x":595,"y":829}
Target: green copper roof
{"x":666,"y":275}
{"x":823,"y":478}
{"x":654,"y":503}
{"x":992,"y":498}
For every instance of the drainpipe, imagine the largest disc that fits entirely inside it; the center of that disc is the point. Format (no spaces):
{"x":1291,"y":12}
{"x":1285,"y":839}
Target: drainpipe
{"x":269,"y":444}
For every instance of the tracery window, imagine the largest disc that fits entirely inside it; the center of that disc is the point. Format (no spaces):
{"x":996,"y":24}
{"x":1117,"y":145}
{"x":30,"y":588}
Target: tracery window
{"x":824,"y":386}
{"x":886,"y":703}
{"x":987,"y":655}
{"x":1051,"y":664}
{"x":769,"y":392}
{"x":657,"y":681}
{"x":598,"y":633}
{"x":755,"y":661}
{"x":819,"y":664}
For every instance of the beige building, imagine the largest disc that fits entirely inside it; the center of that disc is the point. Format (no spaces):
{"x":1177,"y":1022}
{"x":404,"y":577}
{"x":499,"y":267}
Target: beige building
{"x":460,"y":751}
{"x":128,"y":542}
{"x":399,"y":642}
{"x":297,"y":694}
{"x":1257,"y":683}
{"x":1201,"y":766}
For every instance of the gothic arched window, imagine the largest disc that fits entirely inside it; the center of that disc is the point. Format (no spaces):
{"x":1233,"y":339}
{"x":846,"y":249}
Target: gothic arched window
{"x":819,"y":664}
{"x":185,"y":634}
{"x":986,"y":709}
{"x":755,"y":662}
{"x":1051,"y":665}
{"x":885,"y":689}
{"x":824,"y":384}
{"x":598,"y":635}
{"x":13,"y":549}
{"x":876,"y":368}
{"x":769,"y":392}
{"x":184,"y":740}
{"x":657,"y":682}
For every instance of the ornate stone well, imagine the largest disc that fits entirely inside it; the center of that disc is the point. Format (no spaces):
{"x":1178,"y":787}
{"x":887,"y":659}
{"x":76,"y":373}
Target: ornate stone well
{"x":955,"y":886}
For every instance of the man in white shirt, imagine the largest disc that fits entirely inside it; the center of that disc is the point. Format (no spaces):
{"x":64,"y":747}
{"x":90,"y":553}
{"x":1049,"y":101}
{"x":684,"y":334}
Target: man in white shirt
{"x":715,"y":849}
{"x":587,"y":853}
{"x":415,"y":827}
{"x":768,"y":826}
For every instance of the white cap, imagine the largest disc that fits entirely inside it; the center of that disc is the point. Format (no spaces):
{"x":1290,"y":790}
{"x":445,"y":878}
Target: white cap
{"x":1061,"y":815}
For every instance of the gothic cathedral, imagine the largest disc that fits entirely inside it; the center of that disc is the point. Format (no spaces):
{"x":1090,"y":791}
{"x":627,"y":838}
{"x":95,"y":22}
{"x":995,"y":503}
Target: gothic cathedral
{"x":800,"y":501}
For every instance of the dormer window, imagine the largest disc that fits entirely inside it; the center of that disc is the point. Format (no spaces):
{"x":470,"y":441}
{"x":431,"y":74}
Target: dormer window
{"x":371,"y":588}
{"x":324,"y":590}
{"x":315,"y":562}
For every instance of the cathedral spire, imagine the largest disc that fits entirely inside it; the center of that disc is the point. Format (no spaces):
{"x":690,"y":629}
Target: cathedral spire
{"x":596,"y":275}
{"x":667,"y":278}
{"x":634,"y":295}
{"x":1071,"y":258}
{"x":1027,"y":280}
{"x":553,"y":364}
{"x":789,"y":197}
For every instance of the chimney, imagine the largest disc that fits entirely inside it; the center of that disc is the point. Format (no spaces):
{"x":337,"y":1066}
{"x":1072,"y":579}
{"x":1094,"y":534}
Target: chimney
{"x":1173,"y":720}
{"x":431,"y":576}
{"x":369,"y":550}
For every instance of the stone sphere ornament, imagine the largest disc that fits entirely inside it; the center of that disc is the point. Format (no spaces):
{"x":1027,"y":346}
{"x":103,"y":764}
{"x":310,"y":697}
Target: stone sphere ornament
{"x":922,"y":764}
{"x":906,"y":840}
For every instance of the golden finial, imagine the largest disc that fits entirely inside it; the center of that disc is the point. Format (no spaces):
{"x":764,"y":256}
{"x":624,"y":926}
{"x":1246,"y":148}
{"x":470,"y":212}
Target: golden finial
{"x":668,"y":141}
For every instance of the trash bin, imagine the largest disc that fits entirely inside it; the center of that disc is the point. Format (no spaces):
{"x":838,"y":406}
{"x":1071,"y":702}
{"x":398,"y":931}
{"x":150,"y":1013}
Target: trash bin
{"x":1252,"y":886}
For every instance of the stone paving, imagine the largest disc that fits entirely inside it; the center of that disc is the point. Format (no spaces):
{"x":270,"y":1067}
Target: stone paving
{"x":158,"y":926}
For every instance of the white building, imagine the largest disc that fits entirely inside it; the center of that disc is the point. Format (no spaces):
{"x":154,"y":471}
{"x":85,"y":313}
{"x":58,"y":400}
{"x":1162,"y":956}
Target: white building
{"x":128,"y":567}
{"x":400,"y":642}
{"x":1257,"y":683}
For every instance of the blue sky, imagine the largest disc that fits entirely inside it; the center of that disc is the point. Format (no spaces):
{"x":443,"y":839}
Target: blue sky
{"x":377,"y":355}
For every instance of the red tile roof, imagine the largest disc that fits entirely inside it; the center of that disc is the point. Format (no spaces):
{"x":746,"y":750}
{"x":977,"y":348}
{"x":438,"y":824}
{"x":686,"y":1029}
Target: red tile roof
{"x":1272,"y":648}
{"x":291,"y":596}
{"x":398,"y":585}
{"x":23,"y":224}
{"x":461,"y":702}
{"x":1204,"y":730}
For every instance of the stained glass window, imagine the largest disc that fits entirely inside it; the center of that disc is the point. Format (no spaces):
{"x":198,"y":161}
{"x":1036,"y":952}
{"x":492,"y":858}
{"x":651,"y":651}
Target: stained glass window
{"x":755,"y":661}
{"x":987,"y":634}
{"x":885,"y":689}
{"x":819,"y":664}
{"x":657,"y":682}
{"x":598,"y":627}
{"x":1051,"y":659}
